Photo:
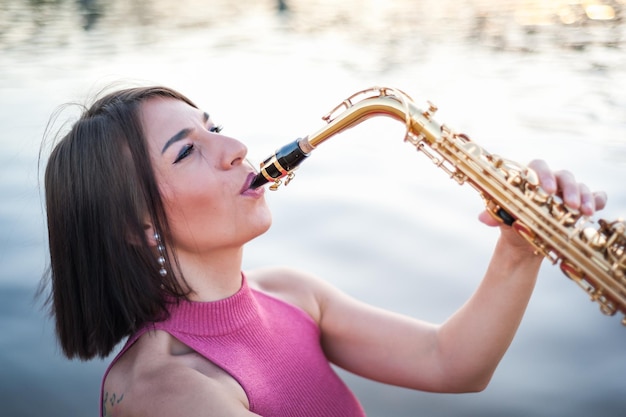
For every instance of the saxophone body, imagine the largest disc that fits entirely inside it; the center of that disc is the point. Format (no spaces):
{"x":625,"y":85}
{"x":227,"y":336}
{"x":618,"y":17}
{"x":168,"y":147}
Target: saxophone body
{"x":591,"y":253}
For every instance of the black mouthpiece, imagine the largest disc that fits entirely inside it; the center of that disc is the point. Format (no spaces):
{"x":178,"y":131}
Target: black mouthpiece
{"x":258,"y":181}
{"x":280,"y":164}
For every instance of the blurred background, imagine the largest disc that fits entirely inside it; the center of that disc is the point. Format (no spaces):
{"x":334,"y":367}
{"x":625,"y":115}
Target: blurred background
{"x":524,"y":79}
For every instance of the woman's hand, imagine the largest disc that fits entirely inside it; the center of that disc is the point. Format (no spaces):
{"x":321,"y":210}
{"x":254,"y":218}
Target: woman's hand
{"x":562,"y":183}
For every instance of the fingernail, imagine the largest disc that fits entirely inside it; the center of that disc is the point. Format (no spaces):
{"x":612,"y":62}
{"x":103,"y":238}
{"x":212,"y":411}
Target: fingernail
{"x":549,"y":186}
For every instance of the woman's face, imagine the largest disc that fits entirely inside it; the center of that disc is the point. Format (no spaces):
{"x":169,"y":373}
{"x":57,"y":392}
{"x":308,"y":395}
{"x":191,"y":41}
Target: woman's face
{"x":203,"y":177}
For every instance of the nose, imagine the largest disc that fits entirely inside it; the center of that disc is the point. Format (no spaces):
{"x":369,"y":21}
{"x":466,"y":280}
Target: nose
{"x":234,"y":153}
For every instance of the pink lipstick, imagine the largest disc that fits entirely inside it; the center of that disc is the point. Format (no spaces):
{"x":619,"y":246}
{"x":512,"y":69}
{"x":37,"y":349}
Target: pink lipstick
{"x":251,"y":192}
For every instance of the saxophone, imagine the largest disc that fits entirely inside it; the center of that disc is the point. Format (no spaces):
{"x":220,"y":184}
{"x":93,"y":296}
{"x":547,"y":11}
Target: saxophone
{"x":592,"y":254}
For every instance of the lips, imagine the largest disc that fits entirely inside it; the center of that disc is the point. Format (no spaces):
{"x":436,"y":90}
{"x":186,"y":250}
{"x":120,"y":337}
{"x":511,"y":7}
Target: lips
{"x":252,"y":192}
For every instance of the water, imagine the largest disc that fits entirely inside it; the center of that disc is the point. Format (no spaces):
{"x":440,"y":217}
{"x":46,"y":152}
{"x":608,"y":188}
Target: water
{"x":371,"y":215}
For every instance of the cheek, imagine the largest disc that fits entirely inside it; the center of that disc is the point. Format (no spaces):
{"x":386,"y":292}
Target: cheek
{"x":194,"y":204}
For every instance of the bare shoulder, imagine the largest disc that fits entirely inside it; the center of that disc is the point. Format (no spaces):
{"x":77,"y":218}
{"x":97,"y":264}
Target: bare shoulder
{"x":294,"y":286}
{"x":159,"y":376}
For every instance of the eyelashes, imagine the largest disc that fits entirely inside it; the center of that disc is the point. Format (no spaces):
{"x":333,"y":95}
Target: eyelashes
{"x":184,"y":152}
{"x":189,"y":148}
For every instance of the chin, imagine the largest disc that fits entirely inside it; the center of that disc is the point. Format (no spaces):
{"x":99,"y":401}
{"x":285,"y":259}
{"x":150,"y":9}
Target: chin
{"x":267,"y":224}
{"x":263,"y":222}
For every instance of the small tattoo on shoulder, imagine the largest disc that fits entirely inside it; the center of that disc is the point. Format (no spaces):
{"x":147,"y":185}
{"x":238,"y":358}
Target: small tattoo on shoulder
{"x":109,"y":401}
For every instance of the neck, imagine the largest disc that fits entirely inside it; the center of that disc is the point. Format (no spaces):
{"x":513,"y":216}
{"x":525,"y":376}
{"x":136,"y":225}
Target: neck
{"x":212,"y":276}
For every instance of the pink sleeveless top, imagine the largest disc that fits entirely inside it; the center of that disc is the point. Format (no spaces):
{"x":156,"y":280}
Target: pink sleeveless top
{"x":270,"y":347}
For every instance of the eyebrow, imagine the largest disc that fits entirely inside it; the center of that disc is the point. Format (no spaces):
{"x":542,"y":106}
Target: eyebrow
{"x":182,"y":134}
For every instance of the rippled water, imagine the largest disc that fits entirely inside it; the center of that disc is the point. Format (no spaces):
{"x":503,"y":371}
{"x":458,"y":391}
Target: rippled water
{"x":365,"y":212}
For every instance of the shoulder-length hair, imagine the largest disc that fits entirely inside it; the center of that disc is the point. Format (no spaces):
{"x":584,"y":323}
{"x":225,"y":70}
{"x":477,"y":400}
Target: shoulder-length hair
{"x":99,"y":190}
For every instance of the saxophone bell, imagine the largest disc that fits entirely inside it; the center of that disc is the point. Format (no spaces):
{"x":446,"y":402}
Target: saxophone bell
{"x":282,"y":163}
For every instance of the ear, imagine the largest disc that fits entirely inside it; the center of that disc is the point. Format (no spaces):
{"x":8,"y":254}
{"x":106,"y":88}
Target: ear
{"x":150,"y":233}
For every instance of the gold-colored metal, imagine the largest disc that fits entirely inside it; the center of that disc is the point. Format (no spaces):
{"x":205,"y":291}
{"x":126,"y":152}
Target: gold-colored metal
{"x":592,"y":254}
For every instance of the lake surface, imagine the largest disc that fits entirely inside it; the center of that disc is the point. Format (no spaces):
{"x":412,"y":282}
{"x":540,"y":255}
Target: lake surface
{"x":525,"y":79}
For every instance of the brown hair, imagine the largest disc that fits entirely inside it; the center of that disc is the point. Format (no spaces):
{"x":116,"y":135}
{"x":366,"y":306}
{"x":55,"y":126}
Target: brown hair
{"x":99,"y":189}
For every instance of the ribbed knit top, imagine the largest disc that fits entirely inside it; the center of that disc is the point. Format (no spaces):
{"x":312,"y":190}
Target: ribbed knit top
{"x":270,"y":347}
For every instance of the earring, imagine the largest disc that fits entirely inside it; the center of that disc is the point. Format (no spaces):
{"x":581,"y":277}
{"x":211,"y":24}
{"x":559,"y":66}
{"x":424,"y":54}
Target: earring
{"x":161,"y":258}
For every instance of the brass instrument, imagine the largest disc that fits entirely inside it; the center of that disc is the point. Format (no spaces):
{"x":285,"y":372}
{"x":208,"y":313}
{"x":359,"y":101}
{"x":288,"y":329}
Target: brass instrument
{"x":592,"y":255}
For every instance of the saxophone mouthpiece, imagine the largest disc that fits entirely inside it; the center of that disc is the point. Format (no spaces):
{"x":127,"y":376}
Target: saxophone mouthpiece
{"x":258,"y":181}
{"x":279,"y":165}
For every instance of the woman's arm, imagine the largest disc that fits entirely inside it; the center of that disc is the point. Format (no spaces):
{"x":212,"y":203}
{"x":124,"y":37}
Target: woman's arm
{"x":461,"y":354}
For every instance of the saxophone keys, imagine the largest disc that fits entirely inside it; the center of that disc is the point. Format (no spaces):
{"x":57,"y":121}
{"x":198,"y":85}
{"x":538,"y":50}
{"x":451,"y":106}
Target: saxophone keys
{"x":531,"y":237}
{"x":561,"y":213}
{"x":594,"y":239}
{"x":607,"y":304}
{"x":574,"y":273}
{"x":276,"y":184}
{"x":531,"y":177}
{"x":607,"y":307}
{"x":533,"y":190}
{"x":432,"y":109}
{"x":289,"y":177}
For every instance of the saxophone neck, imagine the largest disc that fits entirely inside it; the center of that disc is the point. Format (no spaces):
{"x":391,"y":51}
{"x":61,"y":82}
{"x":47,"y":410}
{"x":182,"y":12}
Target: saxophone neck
{"x":377,"y":101}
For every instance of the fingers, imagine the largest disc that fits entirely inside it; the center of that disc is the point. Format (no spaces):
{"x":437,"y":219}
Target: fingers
{"x":572,"y":193}
{"x":563,"y":183}
{"x":546,"y":177}
{"x":591,"y":202}
{"x":600,"y":199}
{"x":488,"y":219}
{"x":587,"y":200}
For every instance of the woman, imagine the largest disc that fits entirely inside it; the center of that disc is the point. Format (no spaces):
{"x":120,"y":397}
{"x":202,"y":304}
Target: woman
{"x":148,"y":211}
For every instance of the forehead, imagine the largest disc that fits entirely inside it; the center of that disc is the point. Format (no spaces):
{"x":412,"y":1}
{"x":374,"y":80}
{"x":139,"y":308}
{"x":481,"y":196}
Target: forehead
{"x":163,"y":117}
{"x":165,"y":109}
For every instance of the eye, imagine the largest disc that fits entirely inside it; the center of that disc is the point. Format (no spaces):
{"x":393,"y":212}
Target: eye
{"x":184,"y":152}
{"x":216,"y":128}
